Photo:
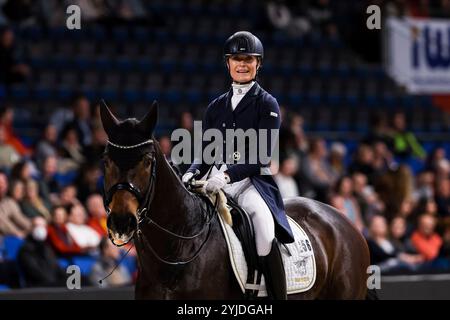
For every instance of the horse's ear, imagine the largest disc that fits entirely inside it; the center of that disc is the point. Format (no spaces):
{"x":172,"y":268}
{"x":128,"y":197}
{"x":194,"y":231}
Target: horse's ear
{"x":148,"y":123}
{"x":109,"y":121}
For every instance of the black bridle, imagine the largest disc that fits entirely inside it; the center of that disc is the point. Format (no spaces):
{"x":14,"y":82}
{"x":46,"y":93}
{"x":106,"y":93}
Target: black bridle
{"x":144,"y":201}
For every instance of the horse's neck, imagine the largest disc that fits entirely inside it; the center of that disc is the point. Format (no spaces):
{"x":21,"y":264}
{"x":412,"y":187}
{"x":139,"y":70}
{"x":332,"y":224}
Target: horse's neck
{"x":172,"y":202}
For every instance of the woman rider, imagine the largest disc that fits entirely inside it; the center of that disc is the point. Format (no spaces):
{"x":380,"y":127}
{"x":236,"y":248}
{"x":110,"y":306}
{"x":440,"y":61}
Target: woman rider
{"x":248,"y":106}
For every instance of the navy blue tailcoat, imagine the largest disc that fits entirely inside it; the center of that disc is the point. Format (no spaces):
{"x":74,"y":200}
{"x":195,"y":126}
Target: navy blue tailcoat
{"x":257,"y":110}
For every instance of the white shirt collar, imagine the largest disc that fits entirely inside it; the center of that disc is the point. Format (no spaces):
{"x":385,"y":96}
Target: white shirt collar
{"x":241,"y":89}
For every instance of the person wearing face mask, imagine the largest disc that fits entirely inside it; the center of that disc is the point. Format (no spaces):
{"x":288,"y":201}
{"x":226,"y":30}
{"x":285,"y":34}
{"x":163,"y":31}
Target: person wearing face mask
{"x":37,"y":260}
{"x":248,"y":106}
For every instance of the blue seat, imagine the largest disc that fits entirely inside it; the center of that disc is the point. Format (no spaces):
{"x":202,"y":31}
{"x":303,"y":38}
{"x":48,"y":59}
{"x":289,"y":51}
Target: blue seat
{"x":85,"y":263}
{"x":314,"y":98}
{"x":42,"y":93}
{"x":103,"y":63}
{"x":371,"y":100}
{"x":19,"y":92}
{"x":140,"y":34}
{"x":97,"y":32}
{"x":334,"y":99}
{"x":3,"y":287}
{"x":193,"y":96}
{"x":120,"y":34}
{"x":64,"y":263}
{"x":12,"y":246}
{"x":144,"y":65}
{"x":124,"y":64}
{"x":172,"y":96}
{"x":109,"y":94}
{"x":131,"y":95}
{"x":295,"y":98}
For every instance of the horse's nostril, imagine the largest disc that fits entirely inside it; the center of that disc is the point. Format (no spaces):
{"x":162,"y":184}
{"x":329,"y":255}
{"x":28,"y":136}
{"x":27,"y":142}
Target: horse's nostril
{"x":122,"y":223}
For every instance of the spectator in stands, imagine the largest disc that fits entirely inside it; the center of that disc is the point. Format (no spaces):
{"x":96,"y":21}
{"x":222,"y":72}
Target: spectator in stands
{"x":25,"y":170}
{"x":108,"y":260}
{"x":344,"y":189}
{"x":405,"y":142}
{"x":166,"y":146}
{"x":94,"y":152}
{"x":8,"y":155}
{"x":97,"y":214}
{"x":337,"y":156}
{"x":442,"y":197}
{"x":6,"y":121}
{"x":399,"y":236}
{"x":434,"y":158}
{"x":12,"y":220}
{"x":405,"y":211}
{"x":68,"y":196}
{"x":444,"y":253}
{"x":379,"y":131}
{"x":12,"y":61}
{"x":300,"y":139}
{"x":285,"y":178}
{"x":81,"y":120}
{"x":47,"y":146}
{"x":317,"y":177}
{"x":424,"y":185}
{"x":383,"y":252}
{"x":425,"y":240}
{"x":321,"y":17}
{"x":83,"y":235}
{"x":49,"y":177}
{"x":33,"y":205}
{"x":367,"y":199}
{"x":394,"y":187}
{"x":17,"y":191}
{"x":382,"y":158}
{"x":71,"y":150}
{"x":88,"y":181}
{"x":37,"y":260}
{"x":442,"y":170}
{"x":363,"y":162}
{"x":58,"y":235}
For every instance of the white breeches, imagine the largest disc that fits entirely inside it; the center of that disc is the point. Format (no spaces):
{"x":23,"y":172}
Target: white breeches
{"x":246,"y":195}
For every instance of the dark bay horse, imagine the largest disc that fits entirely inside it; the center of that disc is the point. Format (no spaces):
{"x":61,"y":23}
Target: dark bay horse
{"x":181,"y":249}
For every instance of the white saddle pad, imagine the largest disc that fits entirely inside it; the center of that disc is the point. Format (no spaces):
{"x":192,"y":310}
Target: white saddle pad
{"x":300,"y":267}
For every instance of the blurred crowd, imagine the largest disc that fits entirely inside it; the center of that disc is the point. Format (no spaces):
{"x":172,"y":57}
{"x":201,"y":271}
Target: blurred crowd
{"x":50,"y":193}
{"x":404,"y":215}
{"x":51,"y":201}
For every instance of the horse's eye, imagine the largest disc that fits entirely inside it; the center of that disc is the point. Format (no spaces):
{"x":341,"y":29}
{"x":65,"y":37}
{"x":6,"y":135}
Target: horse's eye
{"x":106,"y":161}
{"x":147,"y":161}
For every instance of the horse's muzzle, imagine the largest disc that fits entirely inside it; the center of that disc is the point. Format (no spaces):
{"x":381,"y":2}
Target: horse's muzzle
{"x":121,"y":227}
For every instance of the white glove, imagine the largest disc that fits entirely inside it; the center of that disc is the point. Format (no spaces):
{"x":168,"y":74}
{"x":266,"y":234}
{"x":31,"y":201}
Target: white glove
{"x":217,"y":182}
{"x":186,"y":177}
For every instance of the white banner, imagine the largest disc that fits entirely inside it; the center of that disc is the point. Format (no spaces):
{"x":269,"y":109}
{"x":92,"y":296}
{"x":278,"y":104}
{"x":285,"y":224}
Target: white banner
{"x":417,"y":54}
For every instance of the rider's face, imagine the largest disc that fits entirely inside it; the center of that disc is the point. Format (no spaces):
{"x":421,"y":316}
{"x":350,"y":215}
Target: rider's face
{"x":243,"y":67}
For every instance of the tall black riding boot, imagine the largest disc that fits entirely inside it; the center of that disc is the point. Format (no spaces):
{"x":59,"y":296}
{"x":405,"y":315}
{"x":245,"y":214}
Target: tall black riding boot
{"x":274,"y":275}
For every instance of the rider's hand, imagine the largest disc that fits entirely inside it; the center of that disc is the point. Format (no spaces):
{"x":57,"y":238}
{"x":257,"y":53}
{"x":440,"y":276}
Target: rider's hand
{"x":217,"y":182}
{"x":186,"y":177}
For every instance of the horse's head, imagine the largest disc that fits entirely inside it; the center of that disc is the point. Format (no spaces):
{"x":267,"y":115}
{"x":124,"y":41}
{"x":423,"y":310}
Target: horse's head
{"x":129,"y":166}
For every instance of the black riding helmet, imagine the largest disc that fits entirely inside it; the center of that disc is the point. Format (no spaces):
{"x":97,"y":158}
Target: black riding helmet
{"x":243,"y":42}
